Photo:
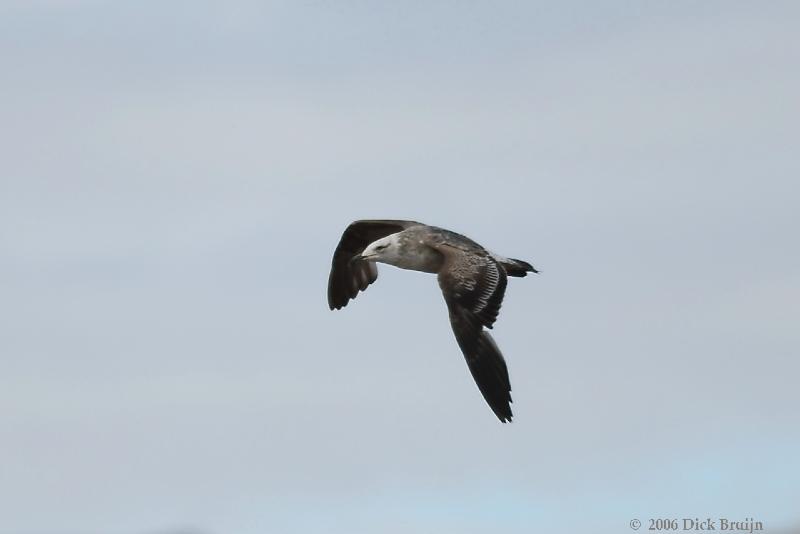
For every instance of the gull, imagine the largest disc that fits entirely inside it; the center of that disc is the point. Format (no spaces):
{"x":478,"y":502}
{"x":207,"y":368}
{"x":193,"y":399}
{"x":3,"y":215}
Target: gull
{"x":472,"y":279}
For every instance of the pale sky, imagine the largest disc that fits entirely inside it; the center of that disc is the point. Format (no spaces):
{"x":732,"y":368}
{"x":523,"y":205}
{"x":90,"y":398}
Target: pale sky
{"x":174,"y":177}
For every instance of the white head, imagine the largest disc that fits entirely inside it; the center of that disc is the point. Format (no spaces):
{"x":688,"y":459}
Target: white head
{"x":385,"y":250}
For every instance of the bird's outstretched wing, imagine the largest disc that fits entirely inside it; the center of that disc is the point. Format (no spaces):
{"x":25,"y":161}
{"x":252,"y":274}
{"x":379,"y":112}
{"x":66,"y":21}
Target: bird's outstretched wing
{"x":473,"y":286}
{"x":348,"y":277}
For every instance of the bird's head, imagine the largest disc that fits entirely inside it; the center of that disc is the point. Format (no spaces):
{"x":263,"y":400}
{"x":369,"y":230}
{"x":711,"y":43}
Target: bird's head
{"x":383,"y":250}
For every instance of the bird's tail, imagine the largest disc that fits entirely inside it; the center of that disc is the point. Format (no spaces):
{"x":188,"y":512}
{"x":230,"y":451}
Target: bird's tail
{"x":517,"y":268}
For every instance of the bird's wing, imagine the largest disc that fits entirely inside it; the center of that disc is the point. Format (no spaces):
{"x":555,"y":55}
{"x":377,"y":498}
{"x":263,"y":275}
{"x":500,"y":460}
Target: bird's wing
{"x":473,"y":285}
{"x":348,"y":277}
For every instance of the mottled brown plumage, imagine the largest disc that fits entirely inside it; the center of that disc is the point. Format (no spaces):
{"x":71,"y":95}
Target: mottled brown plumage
{"x":472,"y":279}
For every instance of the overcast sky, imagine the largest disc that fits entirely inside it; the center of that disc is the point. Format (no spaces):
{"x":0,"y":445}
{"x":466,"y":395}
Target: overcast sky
{"x":174,"y":177}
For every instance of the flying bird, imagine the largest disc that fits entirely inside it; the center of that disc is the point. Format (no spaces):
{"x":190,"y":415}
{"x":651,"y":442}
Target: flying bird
{"x":473,"y":281}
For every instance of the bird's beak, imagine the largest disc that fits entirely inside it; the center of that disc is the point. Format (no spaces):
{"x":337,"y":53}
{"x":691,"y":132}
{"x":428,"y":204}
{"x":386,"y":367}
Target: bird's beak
{"x":362,"y":257}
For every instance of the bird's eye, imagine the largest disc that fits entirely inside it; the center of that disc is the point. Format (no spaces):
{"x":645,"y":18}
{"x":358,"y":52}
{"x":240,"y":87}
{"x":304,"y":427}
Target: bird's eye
{"x":381,"y":247}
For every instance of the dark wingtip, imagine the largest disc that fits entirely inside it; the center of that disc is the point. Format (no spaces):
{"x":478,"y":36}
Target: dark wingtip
{"x":336,"y":303}
{"x":504,"y":413}
{"x":336,"y":306}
